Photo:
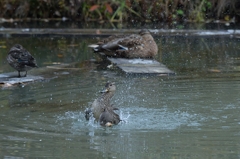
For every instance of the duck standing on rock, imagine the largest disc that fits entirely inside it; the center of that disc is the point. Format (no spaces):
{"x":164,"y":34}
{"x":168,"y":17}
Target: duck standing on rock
{"x":20,"y":59}
{"x":102,"y":109}
{"x":141,"y":45}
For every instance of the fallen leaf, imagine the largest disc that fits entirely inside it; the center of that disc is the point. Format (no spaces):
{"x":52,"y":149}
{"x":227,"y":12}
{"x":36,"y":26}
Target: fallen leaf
{"x":108,"y":8}
{"x":94,"y":7}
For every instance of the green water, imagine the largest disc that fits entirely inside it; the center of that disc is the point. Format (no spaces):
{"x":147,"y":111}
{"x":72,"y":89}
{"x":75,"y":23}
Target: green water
{"x":194,"y":114}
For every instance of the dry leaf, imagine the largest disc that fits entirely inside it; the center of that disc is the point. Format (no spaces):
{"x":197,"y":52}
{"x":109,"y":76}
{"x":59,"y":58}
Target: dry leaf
{"x":108,"y":8}
{"x":94,"y":7}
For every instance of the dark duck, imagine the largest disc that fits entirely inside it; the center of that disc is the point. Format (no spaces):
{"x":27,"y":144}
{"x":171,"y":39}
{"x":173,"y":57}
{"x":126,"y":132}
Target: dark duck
{"x":101,"y":108}
{"x":141,"y":45}
{"x":108,"y":117}
{"x":20,"y":59}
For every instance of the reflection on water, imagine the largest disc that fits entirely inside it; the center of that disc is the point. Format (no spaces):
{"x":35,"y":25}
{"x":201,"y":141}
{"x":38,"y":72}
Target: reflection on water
{"x":191,"y":115}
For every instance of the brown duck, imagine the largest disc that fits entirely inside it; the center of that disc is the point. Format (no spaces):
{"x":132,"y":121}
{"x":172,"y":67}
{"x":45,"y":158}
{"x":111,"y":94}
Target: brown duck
{"x":141,"y":45}
{"x":108,"y":117}
{"x":101,"y":108}
{"x":20,"y":59}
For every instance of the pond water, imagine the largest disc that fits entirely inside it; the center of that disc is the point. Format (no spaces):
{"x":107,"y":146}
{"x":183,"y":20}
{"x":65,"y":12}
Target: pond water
{"x":194,"y":114}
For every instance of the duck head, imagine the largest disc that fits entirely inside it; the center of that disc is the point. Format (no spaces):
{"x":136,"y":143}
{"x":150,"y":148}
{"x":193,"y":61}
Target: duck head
{"x":17,"y":47}
{"x":144,"y":31}
{"x":109,"y":87}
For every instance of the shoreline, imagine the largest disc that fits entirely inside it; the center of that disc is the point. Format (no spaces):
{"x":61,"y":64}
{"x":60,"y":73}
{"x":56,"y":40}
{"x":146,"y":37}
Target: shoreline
{"x":107,"y":32}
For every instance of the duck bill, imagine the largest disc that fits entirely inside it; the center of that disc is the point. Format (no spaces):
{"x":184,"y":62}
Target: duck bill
{"x":104,"y":91}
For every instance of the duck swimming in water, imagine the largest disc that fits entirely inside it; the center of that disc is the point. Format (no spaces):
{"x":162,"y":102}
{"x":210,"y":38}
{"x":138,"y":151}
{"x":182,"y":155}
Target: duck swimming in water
{"x":20,"y":59}
{"x":141,"y":45}
{"x":108,"y":117}
{"x":102,"y":109}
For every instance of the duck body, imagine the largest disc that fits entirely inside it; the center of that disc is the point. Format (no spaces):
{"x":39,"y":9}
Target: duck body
{"x":101,"y":108}
{"x":20,"y":59}
{"x":140,"y":45}
{"x":100,"y":104}
{"x":108,"y":117}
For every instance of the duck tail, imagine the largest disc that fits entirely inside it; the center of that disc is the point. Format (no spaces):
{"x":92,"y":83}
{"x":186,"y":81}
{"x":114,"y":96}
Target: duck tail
{"x":32,"y":64}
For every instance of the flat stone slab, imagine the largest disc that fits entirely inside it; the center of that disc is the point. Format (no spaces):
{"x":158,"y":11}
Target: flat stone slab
{"x":144,"y":66}
{"x":10,"y":79}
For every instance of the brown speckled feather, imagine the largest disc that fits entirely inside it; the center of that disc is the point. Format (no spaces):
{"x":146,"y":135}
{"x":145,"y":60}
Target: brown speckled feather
{"x":102,"y":109}
{"x":109,"y":116}
{"x":20,"y":59}
{"x":140,"y":45}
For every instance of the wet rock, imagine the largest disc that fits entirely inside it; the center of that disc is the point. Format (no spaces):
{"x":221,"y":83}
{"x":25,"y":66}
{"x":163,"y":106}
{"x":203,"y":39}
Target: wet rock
{"x":12,"y":79}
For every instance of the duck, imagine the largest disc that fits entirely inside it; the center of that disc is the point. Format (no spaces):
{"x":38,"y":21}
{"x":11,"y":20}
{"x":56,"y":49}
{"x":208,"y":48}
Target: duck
{"x":108,"y":117}
{"x":141,"y":45}
{"x":20,"y":59}
{"x":101,"y":108}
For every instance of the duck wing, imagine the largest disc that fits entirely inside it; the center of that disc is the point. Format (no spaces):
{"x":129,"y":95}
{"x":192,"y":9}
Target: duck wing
{"x":23,"y":57}
{"x":131,"y":41}
{"x":108,"y":115}
{"x":125,"y":42}
{"x":122,"y":43}
{"x":111,"y":43}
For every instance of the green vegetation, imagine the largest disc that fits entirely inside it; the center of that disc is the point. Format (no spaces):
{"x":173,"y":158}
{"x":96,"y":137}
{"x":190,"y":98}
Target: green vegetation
{"x":122,"y":10}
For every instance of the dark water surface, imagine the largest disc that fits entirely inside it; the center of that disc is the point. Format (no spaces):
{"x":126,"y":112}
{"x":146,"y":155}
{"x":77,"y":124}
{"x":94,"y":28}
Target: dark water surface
{"x":194,"y":114}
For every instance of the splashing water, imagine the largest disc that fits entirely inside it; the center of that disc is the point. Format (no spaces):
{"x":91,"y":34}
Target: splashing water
{"x":135,"y":118}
